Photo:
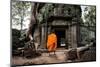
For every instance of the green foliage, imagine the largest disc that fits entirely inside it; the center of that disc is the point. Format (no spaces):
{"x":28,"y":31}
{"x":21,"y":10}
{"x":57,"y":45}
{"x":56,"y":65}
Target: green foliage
{"x":44,"y":12}
{"x":86,"y":35}
{"x":88,"y":24}
{"x":90,"y":16}
{"x":19,"y":12}
{"x":17,"y":41}
{"x":15,"y":38}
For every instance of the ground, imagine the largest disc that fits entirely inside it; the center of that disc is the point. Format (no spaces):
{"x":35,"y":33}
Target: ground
{"x":60,"y":57}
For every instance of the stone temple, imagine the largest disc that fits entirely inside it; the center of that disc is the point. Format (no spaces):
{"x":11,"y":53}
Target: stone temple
{"x":65,"y":20}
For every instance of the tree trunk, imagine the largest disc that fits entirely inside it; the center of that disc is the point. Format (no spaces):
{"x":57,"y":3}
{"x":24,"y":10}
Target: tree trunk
{"x":33,"y":22}
{"x":21,"y":26}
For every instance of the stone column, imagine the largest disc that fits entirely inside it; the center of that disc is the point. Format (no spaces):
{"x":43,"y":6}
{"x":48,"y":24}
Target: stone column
{"x":74,"y":36}
{"x":78,"y":33}
{"x":69,"y":35}
{"x":66,"y":37}
{"x":49,"y":30}
{"x":42,"y":36}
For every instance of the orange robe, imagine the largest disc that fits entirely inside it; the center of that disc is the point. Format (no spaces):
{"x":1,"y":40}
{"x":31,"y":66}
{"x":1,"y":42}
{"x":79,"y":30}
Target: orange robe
{"x":52,"y":42}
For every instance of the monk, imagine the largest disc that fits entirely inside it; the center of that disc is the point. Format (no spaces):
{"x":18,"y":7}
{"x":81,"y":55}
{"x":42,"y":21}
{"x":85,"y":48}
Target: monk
{"x":52,"y":42}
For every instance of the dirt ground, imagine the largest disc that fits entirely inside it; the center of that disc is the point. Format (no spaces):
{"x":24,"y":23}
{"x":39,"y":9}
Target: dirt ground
{"x":45,"y":58}
{"x":59,"y":57}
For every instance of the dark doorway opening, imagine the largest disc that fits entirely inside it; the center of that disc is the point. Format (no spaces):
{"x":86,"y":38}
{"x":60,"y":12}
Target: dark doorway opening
{"x":60,"y":37}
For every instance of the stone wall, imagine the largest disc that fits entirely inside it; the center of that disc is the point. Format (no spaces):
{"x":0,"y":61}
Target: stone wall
{"x":62,"y":15}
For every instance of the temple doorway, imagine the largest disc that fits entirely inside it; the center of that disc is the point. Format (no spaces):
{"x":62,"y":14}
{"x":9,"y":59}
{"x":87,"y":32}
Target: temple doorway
{"x":60,"y":32}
